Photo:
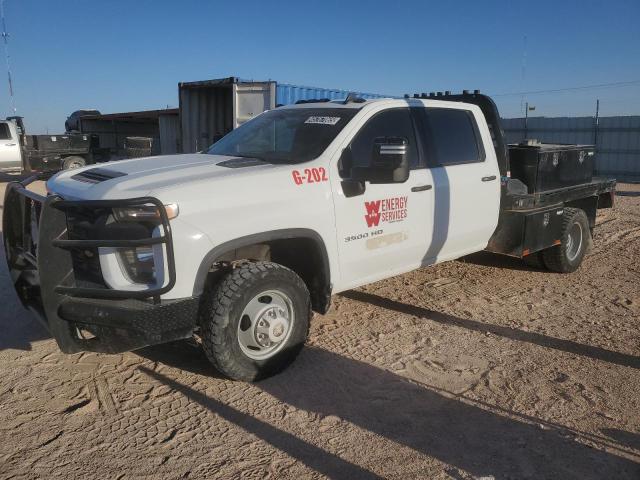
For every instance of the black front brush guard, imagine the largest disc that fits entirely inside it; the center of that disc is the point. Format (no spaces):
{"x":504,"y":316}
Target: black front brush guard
{"x":38,"y":250}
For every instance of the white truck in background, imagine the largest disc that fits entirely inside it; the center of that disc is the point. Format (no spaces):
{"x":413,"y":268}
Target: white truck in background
{"x":240,"y":243}
{"x":22,"y":153}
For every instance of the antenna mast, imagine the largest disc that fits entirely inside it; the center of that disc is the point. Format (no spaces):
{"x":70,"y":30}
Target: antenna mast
{"x":5,"y":38}
{"x":523,"y":70}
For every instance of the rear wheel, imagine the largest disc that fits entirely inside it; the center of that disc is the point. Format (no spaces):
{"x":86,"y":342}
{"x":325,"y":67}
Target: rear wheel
{"x":255,"y":320}
{"x":575,"y":236}
{"x":71,"y":163}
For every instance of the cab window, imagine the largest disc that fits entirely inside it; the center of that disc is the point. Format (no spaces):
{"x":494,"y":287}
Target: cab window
{"x":5,"y":133}
{"x":451,"y":136}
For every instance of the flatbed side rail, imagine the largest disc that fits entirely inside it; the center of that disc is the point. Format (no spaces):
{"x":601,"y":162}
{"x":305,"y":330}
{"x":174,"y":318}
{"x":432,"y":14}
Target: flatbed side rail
{"x":528,"y":201}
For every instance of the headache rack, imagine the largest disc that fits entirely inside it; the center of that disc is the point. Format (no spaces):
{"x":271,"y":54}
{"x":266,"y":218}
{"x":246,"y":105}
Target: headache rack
{"x":491,"y":114}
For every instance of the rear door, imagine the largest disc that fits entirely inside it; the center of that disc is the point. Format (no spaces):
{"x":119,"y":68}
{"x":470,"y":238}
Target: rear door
{"x":10,"y":157}
{"x":466,"y":180}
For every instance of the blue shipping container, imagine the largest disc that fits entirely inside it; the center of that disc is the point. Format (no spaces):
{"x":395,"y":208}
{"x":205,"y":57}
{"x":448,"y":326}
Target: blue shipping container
{"x":287,"y":94}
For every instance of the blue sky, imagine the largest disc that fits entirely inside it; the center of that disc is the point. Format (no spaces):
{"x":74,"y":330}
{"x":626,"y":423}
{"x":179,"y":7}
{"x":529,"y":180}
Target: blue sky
{"x":121,"y":55}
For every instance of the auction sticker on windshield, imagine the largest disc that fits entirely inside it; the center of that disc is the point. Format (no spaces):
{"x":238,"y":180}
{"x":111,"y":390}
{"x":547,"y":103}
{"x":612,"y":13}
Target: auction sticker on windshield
{"x":323,"y":120}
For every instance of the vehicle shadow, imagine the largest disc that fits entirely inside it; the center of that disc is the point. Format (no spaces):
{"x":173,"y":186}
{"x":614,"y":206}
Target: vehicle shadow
{"x":441,"y":214}
{"x":191,"y":355}
{"x":312,"y":456}
{"x":471,"y":439}
{"x":569,"y":346}
{"x":9,"y":177}
{"x":18,"y":327}
{"x":629,"y":439}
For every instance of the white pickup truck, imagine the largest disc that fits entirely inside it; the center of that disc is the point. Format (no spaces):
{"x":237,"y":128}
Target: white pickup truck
{"x":240,"y":243}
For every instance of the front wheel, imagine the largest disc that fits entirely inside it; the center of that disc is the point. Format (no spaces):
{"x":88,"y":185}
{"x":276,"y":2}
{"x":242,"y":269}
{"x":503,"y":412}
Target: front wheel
{"x":255,"y":320}
{"x":575,"y":236}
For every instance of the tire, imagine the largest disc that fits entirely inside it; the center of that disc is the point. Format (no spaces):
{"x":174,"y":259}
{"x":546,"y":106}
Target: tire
{"x":567,"y":257}
{"x":233,"y":318}
{"x":535,"y":260}
{"x":71,"y":163}
{"x":138,"y":152}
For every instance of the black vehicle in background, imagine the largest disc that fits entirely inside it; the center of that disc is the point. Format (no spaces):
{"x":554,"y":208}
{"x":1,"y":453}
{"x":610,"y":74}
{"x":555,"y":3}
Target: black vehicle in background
{"x":24,"y":153}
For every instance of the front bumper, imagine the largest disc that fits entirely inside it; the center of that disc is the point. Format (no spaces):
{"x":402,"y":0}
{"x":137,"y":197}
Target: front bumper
{"x":46,"y":259}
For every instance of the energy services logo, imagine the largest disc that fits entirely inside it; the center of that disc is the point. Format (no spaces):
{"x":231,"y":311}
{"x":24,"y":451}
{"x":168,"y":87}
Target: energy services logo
{"x":388,"y":210}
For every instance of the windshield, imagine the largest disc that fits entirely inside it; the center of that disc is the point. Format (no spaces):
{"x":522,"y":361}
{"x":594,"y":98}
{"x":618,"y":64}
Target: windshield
{"x":292,"y":135}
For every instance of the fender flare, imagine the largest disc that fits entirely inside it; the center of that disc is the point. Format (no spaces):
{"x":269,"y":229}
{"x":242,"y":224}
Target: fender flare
{"x":282,"y":234}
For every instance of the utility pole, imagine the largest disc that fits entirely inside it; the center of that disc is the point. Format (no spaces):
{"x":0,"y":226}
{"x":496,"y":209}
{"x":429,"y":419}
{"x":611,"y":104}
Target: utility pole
{"x":526,"y":118}
{"x":596,"y":124}
{"x":5,"y":38}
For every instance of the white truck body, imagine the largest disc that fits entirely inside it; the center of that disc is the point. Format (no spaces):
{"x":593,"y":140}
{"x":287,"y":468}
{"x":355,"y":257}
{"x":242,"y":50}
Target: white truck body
{"x":240,"y":243}
{"x":219,"y":204}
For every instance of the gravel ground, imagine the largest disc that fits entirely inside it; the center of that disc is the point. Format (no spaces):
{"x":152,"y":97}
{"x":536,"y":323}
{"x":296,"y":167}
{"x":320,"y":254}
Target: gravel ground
{"x":475,"y":368}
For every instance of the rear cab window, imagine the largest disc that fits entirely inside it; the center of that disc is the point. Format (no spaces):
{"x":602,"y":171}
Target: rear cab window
{"x":451,"y":137}
{"x":5,"y":132}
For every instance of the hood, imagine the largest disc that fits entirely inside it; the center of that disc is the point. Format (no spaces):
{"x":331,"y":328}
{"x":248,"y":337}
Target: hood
{"x":141,"y":176}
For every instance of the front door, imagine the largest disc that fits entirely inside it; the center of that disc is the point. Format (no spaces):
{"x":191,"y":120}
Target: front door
{"x":386,"y":230}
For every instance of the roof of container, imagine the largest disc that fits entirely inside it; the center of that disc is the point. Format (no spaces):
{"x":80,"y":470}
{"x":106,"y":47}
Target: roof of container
{"x":140,"y":115}
{"x":335,"y":104}
{"x":287,"y":94}
{"x":215,"y":82}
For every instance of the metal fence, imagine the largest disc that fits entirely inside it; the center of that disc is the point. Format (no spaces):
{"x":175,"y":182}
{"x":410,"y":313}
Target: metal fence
{"x":617,"y":139}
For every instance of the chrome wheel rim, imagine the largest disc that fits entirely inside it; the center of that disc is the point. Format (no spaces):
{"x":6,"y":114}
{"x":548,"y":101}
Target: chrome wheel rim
{"x":74,"y":165}
{"x":265,"y":324}
{"x":574,"y":242}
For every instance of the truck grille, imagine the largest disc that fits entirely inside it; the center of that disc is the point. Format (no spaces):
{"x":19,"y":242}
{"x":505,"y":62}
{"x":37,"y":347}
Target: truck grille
{"x":86,"y":261}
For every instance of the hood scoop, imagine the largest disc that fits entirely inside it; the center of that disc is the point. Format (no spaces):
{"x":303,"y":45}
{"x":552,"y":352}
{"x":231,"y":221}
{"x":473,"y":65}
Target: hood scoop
{"x":241,"y":162}
{"x":97,"y":175}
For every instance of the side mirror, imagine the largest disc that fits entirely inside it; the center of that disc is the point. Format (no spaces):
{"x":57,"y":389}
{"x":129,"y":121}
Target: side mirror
{"x":388,"y":152}
{"x":389,"y":163}
{"x":389,"y":160}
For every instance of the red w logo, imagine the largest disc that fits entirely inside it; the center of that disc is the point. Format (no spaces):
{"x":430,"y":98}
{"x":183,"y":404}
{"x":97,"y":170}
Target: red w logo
{"x":373,"y":213}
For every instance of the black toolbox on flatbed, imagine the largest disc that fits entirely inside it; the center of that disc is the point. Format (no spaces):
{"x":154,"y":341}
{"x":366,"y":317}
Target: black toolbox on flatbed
{"x":545,"y":166}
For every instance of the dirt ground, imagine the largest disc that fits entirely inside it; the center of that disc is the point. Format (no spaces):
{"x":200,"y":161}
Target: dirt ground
{"x":478,"y":368}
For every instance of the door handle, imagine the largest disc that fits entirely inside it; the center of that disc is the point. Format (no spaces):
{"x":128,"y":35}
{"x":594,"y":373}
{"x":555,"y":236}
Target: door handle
{"x":9,"y":144}
{"x":488,"y":179}
{"x":421,"y":188}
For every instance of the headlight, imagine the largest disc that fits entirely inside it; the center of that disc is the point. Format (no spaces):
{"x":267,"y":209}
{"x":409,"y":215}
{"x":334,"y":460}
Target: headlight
{"x":145,"y":213}
{"x":138,"y":264}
